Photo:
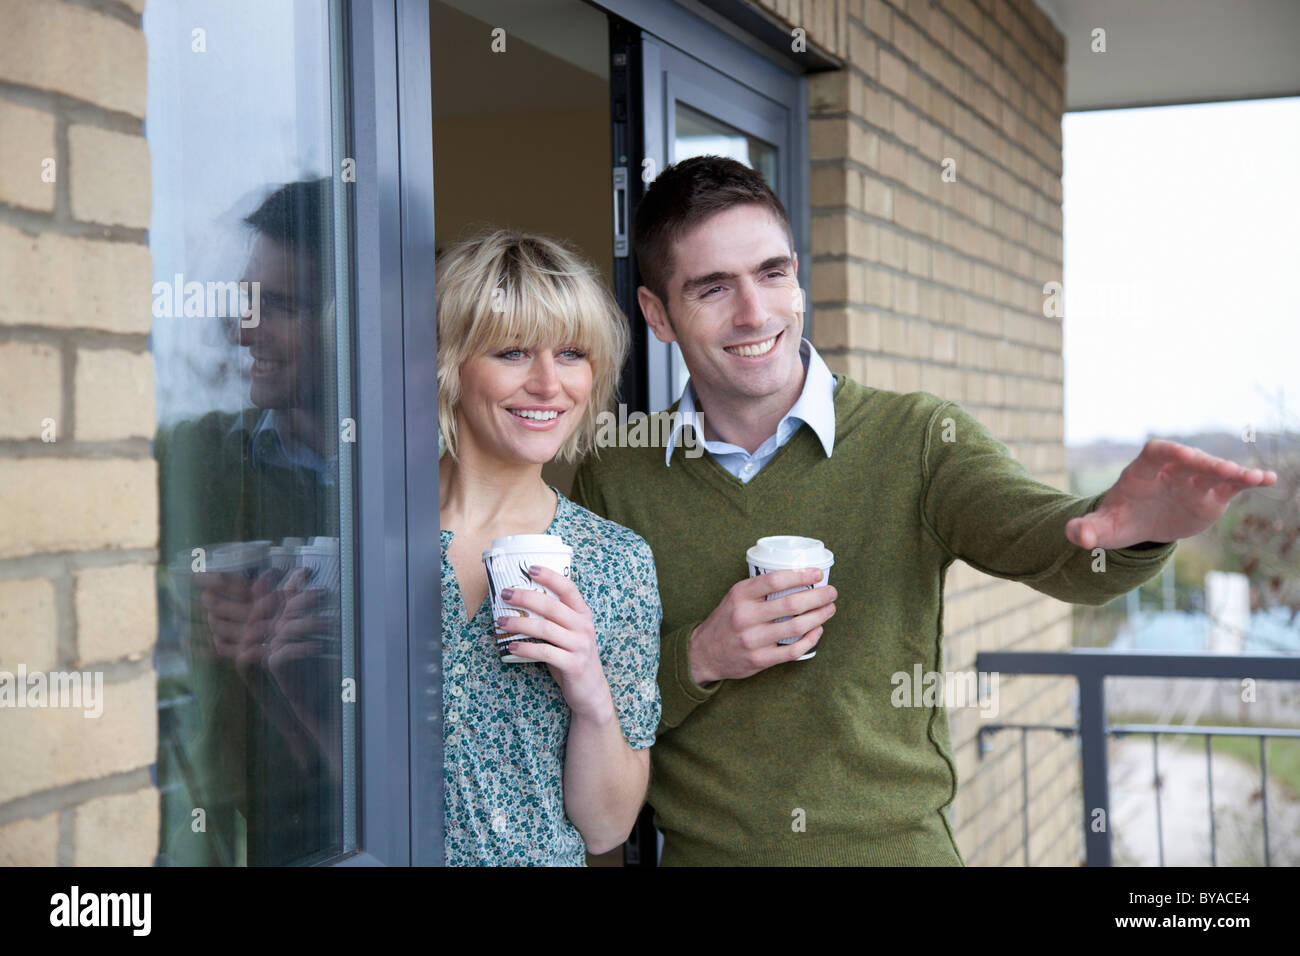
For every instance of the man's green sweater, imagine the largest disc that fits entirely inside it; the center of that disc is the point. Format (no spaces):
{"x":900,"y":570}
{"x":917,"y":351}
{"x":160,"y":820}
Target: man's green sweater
{"x":809,"y":762}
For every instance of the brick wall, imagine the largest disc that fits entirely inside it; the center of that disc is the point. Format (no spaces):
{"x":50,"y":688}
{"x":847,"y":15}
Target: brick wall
{"x":922,"y":283}
{"x":78,"y":513}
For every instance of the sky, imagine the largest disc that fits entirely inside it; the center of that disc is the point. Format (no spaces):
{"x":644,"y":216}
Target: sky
{"x":1182,"y":255}
{"x":214,"y":158}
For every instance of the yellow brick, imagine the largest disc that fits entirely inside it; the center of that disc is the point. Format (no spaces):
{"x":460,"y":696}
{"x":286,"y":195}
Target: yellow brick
{"x":864,"y":330}
{"x":906,"y":295}
{"x":879,"y":372}
{"x":907,"y":377}
{"x":52,"y":746}
{"x":117,"y":612}
{"x":114,"y":395}
{"x":907,"y":39}
{"x":879,"y":19}
{"x":944,"y":348}
{"x":827,"y":186}
{"x":863,"y":239}
{"x":927,"y":139}
{"x":830,"y":234}
{"x":118,"y":830}
{"x":918,"y":257}
{"x":892,"y":251}
{"x":879,"y":108}
{"x":863,"y":52}
{"x":831,"y":329}
{"x":893,"y":335}
{"x":26,"y":143}
{"x":828,"y":138}
{"x":893,"y":73}
{"x":828,"y":92}
{"x":109,"y":177}
{"x":53,"y":504}
{"x":830,"y":282}
{"x":73,"y":50}
{"x":864,"y":146}
{"x":28,"y":625}
{"x":877,"y":198}
{"x":893,"y":161}
{"x":62,"y":282}
{"x":30,"y":389}
{"x":879,"y":288}
{"x":33,"y":842}
{"x":904,"y":123}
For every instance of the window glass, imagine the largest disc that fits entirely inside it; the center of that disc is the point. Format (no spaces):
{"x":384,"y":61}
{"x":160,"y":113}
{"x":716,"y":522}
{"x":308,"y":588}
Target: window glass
{"x":699,"y":134}
{"x":255,"y":651}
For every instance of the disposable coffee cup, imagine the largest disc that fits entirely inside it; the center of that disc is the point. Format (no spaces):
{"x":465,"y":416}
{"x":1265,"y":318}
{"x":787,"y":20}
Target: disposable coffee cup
{"x":784,"y":552}
{"x":284,"y":558}
{"x":246,"y":558}
{"x":283,"y":555}
{"x":320,"y":556}
{"x":507,"y":562}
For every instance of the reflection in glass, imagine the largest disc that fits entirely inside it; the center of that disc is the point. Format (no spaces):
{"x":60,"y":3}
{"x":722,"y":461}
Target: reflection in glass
{"x":251,"y":653}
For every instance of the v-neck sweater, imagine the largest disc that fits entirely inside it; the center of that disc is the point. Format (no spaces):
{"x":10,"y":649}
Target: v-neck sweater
{"x":811,"y":762}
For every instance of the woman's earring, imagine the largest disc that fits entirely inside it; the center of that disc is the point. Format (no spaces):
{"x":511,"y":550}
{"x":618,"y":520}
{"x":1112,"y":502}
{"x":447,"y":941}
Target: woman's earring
{"x":442,"y":444}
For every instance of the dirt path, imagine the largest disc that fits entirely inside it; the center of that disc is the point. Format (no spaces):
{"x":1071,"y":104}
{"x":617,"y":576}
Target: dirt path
{"x":1184,"y":811}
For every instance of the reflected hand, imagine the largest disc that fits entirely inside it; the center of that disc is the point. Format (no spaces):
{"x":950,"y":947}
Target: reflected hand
{"x":240,"y":614}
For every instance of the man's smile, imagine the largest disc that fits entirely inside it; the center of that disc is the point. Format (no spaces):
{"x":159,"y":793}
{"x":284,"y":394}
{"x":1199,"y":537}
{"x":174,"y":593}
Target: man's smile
{"x":754,"y":349}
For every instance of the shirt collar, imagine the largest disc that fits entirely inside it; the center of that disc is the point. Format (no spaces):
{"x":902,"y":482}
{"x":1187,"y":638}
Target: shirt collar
{"x":267,"y":441}
{"x":815,"y":405}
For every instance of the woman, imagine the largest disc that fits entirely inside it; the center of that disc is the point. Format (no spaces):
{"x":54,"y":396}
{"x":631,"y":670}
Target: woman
{"x":549,"y":758}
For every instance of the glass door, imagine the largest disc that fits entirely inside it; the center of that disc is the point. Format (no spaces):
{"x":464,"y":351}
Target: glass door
{"x":253,"y":362}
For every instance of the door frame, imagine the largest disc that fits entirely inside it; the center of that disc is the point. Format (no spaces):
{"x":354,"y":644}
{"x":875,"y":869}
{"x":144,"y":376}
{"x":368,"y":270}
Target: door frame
{"x":398,"y":571}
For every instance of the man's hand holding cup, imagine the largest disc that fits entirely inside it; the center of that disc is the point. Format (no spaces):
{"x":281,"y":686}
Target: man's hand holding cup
{"x":740,"y":637}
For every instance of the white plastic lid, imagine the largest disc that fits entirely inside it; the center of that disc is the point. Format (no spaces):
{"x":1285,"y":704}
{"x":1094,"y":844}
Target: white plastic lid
{"x":531,"y":543}
{"x":782,"y":551}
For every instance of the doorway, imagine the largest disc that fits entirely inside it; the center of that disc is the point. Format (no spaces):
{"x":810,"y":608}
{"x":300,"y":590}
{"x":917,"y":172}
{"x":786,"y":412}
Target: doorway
{"x":552,"y":116}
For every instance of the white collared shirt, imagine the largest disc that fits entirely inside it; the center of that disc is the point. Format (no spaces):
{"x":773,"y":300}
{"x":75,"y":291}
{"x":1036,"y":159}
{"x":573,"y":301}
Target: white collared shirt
{"x":269,"y":447}
{"x":815,"y":408}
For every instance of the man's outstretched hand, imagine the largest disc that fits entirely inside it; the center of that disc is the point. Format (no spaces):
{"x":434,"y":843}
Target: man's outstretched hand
{"x":1169,"y":491}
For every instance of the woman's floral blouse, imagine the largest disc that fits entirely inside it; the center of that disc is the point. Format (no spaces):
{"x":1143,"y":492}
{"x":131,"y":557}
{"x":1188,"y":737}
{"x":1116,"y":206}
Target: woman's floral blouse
{"x":506,"y":725}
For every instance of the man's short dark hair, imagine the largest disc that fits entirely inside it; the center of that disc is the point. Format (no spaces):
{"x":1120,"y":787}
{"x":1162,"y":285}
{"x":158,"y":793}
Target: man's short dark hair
{"x":683,"y":196}
{"x":296,"y":214}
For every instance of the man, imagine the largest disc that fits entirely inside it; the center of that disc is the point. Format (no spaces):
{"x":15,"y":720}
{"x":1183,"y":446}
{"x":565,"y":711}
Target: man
{"x":760,"y":758}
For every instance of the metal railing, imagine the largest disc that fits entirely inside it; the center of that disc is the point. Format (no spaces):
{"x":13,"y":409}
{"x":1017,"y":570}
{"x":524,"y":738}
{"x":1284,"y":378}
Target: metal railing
{"x":1090,"y":668}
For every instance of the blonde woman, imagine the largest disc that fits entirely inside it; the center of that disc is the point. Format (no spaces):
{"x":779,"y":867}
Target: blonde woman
{"x":546,"y":759}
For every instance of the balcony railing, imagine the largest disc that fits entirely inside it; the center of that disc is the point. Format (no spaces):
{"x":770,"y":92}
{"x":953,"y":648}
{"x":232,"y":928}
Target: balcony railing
{"x":1090,"y":668}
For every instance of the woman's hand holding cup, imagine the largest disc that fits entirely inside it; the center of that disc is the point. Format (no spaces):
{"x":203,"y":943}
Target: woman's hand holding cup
{"x":565,"y":624}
